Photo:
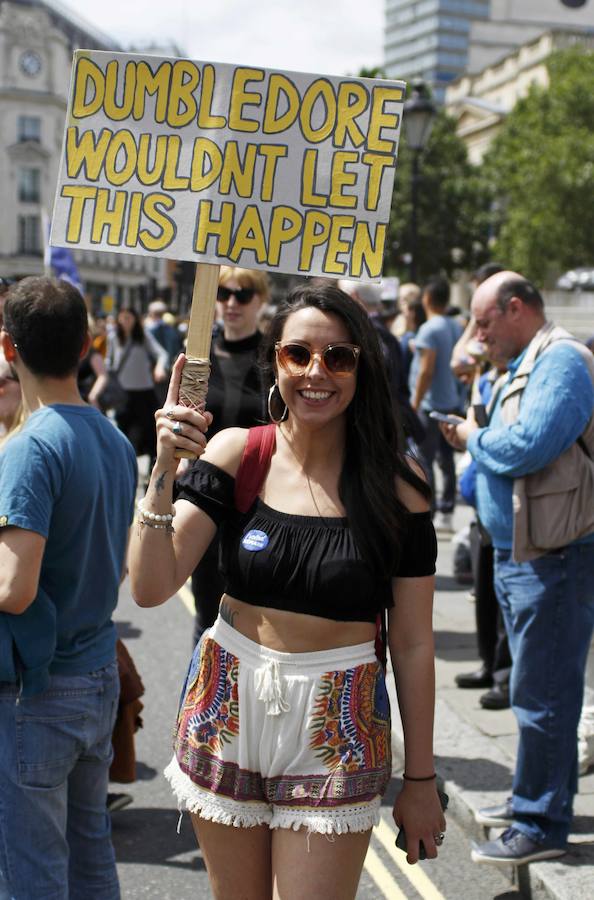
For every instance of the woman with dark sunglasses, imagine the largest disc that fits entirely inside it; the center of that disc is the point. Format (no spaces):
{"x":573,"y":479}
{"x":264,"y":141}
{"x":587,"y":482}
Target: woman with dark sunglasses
{"x":284,"y":726}
{"x":236,"y":397}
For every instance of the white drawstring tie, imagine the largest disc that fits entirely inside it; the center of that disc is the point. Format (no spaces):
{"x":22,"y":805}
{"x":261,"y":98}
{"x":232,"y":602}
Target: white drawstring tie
{"x":269,"y":686}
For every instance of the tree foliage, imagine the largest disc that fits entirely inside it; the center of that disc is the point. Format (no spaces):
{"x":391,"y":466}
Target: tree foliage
{"x":540,"y":170}
{"x":452,"y":207}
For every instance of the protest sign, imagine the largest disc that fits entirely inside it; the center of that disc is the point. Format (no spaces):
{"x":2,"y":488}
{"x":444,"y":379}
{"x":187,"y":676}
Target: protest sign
{"x":228,"y":164}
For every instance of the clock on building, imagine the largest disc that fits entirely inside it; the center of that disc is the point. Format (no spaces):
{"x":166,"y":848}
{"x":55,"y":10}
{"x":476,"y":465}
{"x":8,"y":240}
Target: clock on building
{"x":30,"y":63}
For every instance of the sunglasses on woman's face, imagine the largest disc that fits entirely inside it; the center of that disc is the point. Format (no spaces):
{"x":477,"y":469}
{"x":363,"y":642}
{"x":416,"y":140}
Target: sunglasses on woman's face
{"x":242,"y":295}
{"x":338,"y":360}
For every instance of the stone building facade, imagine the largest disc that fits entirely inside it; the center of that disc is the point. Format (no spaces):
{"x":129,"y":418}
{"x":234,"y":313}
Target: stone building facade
{"x":479,"y":102}
{"x":37,"y":40}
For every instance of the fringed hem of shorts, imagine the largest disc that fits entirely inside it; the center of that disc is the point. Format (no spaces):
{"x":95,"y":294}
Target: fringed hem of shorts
{"x":337,"y":820}
{"x":224,"y":811}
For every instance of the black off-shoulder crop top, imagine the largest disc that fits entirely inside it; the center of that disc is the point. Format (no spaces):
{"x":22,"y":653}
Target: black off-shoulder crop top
{"x":301,"y":564}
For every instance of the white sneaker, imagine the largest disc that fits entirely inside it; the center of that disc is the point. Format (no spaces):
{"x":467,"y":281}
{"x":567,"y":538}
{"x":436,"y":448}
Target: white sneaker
{"x":443,"y":522}
{"x":513,"y":847}
{"x":116,"y":802}
{"x":586,"y":739}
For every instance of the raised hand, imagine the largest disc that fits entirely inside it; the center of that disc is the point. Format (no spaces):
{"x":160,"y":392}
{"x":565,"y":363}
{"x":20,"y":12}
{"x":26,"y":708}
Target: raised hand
{"x":179,"y":427}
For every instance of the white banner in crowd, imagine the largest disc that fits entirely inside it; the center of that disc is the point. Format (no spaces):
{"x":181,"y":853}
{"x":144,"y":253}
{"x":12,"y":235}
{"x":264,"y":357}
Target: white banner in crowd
{"x":228,"y":164}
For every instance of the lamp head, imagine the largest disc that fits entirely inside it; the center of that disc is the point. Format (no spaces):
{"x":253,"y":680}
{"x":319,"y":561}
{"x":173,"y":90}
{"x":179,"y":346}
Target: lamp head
{"x":419,"y":116}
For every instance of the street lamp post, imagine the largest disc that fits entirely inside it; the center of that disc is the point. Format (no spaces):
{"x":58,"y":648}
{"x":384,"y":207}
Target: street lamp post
{"x":419,"y":116}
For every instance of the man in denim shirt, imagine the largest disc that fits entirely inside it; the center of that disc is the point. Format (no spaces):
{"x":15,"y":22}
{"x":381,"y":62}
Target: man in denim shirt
{"x":67,"y":485}
{"x":546,"y":596}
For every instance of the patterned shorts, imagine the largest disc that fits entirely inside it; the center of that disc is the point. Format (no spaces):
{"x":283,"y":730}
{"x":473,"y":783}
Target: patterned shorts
{"x":282,"y":739}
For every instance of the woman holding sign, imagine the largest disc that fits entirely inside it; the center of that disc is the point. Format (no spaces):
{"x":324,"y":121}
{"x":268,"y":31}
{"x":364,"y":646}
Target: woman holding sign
{"x":284,"y":725}
{"x":236,"y":396}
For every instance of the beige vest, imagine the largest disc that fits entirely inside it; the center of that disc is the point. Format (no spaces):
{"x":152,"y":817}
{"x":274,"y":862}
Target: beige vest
{"x":554,"y":506}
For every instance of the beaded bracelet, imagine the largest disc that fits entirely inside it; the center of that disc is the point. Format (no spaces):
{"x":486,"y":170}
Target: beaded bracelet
{"x":413,"y":778}
{"x":148,"y":517}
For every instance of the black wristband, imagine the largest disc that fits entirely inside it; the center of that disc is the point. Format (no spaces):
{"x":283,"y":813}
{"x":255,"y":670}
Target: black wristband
{"x":413,"y":778}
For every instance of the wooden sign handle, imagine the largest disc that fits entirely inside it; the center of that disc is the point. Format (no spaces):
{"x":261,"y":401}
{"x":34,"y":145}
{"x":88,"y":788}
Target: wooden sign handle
{"x":194,"y":383}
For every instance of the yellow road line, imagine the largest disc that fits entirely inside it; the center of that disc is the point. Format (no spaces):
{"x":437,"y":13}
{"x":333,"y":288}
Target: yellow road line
{"x":383,"y":879}
{"x":415,"y":874}
{"x":187,"y":598}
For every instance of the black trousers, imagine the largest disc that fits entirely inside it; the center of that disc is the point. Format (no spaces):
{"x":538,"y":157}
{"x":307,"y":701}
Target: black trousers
{"x":490,"y":630}
{"x":137,"y":421}
{"x":434,"y":448}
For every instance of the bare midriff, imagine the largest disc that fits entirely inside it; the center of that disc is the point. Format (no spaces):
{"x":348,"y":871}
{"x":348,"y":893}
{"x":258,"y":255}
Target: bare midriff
{"x":292,"y":632}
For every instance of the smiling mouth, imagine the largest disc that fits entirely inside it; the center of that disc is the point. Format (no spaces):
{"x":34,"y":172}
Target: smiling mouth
{"x":316,"y":396}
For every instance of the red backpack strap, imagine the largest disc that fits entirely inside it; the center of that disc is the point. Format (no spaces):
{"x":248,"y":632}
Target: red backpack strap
{"x":254,"y":465}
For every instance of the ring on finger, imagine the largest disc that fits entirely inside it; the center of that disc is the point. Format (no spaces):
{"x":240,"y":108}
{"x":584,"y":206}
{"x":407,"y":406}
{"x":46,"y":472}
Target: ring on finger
{"x":177,"y":429}
{"x":438,"y":838}
{"x":170,"y":412}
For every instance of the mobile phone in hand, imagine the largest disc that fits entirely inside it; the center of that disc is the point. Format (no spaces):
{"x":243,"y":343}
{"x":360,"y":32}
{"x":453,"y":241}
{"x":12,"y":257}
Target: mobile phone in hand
{"x":444,"y":417}
{"x":401,"y":836}
{"x":480,"y":414}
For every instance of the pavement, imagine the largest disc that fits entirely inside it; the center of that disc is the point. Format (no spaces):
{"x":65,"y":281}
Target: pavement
{"x":475,"y":748}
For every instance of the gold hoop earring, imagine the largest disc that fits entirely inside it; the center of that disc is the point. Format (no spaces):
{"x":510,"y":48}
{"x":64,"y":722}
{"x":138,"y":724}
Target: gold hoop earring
{"x":271,"y":398}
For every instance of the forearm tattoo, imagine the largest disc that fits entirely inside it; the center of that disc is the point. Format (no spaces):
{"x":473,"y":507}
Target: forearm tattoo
{"x":227,"y":614}
{"x":160,"y":483}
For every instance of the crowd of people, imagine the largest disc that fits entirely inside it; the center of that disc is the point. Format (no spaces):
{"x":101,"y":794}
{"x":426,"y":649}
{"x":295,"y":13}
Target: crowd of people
{"x":307,"y":525}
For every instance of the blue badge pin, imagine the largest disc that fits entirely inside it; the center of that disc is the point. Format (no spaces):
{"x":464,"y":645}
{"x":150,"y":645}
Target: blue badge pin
{"x":255,"y":540}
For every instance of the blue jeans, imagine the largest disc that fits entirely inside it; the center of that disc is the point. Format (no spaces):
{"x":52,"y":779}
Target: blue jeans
{"x":548,"y":608}
{"x":55,"y":752}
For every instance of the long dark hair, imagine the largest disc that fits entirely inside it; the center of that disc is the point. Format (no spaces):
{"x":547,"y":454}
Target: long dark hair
{"x":137,"y":333}
{"x":375,"y":443}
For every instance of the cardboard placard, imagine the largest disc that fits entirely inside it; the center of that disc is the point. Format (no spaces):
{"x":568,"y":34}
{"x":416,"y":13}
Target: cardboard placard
{"x":228,"y":164}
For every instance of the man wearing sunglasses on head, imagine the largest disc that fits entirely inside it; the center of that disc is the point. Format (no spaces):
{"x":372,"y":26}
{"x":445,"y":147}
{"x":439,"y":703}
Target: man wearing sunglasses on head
{"x":236,"y":398}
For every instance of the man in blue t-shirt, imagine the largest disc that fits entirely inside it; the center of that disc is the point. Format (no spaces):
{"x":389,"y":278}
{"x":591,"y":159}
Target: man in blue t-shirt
{"x":67,"y":486}
{"x":434,"y":388}
{"x":535,"y":497}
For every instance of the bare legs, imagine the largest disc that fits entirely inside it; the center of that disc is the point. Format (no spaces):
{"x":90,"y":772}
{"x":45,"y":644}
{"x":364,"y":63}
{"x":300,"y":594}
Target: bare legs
{"x":331,"y":869}
{"x":260,"y":864}
{"x":237,"y":859}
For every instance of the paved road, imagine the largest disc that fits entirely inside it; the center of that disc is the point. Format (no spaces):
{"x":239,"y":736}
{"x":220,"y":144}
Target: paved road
{"x":156,"y":862}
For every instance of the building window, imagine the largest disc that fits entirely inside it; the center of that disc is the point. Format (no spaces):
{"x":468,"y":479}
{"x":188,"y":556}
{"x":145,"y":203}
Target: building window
{"x":29,"y":185}
{"x":30,"y":235}
{"x":29,"y":128}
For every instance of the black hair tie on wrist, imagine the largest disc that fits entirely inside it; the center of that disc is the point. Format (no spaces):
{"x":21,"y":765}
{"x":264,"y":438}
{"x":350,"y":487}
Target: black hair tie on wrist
{"x":413,"y":778}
